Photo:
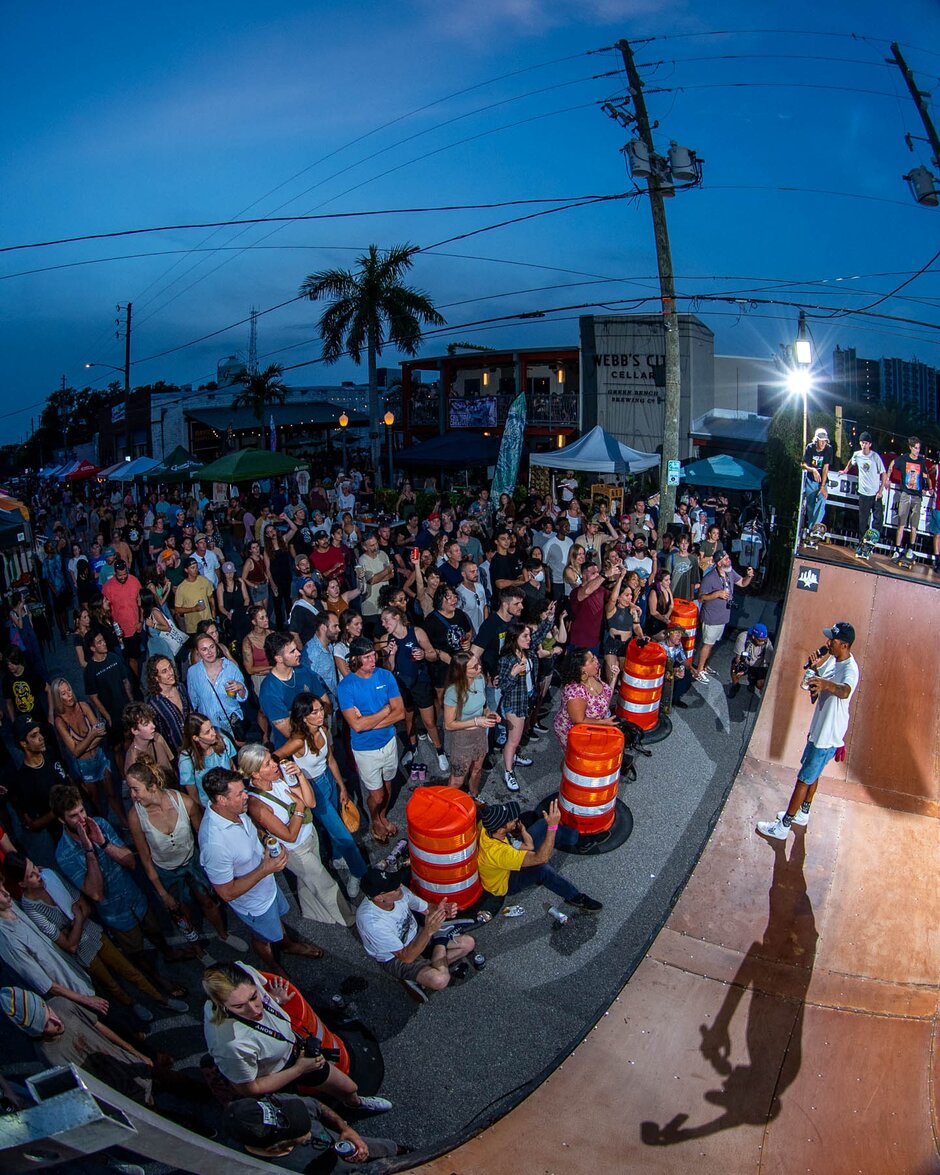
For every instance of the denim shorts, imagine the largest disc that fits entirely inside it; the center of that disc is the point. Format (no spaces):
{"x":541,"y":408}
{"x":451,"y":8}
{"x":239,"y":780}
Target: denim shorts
{"x":814,"y":762}
{"x":187,"y":878}
{"x":267,"y":926}
{"x":92,"y":769}
{"x":935,"y":521}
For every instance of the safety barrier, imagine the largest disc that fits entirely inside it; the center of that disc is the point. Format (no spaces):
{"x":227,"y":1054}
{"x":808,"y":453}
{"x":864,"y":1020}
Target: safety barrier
{"x":641,"y":684}
{"x":685,"y":616}
{"x":590,"y":776}
{"x":442,"y":842}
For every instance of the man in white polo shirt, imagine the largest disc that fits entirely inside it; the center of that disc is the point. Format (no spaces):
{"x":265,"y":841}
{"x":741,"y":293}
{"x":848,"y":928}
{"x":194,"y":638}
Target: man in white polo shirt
{"x":242,"y":873}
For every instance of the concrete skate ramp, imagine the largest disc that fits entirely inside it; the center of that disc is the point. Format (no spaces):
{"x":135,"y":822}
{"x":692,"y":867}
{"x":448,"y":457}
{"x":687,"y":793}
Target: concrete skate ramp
{"x":785,"y":1019}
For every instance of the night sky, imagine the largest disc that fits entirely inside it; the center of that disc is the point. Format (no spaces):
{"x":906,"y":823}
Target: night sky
{"x":117,"y":119}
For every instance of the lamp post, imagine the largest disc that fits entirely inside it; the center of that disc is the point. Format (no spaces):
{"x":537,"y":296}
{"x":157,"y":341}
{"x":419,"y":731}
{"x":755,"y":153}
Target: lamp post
{"x":799,"y":380}
{"x":389,"y":419}
{"x":343,"y":425}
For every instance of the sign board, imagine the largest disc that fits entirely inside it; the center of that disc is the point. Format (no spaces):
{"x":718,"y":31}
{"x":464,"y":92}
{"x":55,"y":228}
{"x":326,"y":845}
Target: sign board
{"x":673,"y":469}
{"x":808,"y":579}
{"x":475,"y":412}
{"x":117,"y":412}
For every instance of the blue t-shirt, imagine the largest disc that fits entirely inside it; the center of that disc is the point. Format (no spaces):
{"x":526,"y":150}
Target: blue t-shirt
{"x":368,"y":695}
{"x":277,"y":697}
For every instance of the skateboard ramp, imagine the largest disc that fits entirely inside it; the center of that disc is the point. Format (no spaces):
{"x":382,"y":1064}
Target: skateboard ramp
{"x":785,"y":1019}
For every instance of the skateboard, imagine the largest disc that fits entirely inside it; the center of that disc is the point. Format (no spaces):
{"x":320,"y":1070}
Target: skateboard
{"x":866,"y":546}
{"x":905,"y":564}
{"x":815,"y":535}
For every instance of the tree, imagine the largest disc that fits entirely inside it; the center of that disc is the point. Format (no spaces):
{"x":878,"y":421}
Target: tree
{"x":370,"y":308}
{"x":260,"y":389}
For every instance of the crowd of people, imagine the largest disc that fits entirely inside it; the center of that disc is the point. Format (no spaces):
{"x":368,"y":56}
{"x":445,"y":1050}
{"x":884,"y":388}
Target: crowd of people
{"x":247,"y":685}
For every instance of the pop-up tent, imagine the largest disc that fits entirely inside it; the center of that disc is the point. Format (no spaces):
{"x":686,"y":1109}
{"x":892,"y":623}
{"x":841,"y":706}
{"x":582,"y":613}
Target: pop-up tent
{"x":249,"y":465}
{"x":457,"y":449}
{"x":128,"y":470}
{"x":724,"y":473}
{"x":597,"y":452}
{"x":180,"y":465}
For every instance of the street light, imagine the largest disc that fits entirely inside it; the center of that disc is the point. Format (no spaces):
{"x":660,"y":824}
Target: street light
{"x":343,"y":424}
{"x":799,"y":380}
{"x":799,"y":383}
{"x":389,"y":419}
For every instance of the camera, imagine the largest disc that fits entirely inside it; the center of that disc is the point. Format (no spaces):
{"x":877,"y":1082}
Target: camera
{"x":312,"y":1047}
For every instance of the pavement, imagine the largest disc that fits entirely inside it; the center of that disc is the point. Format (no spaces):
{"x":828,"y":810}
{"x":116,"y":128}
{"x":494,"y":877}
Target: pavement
{"x":456,"y":1063}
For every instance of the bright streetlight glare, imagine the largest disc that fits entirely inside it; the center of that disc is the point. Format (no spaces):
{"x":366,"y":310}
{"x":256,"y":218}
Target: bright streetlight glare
{"x":799,"y":382}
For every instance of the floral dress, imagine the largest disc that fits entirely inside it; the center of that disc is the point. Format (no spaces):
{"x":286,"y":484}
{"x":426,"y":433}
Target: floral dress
{"x":598,"y":706}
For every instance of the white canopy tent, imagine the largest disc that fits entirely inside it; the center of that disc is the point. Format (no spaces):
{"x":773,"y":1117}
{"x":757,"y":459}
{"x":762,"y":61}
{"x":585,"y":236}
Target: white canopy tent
{"x":597,"y":452}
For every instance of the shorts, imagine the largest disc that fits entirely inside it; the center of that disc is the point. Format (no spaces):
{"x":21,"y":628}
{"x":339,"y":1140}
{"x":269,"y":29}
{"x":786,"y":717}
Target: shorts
{"x":187,"y":878}
{"x":399,"y":970}
{"x":464,"y":747}
{"x":377,"y":767}
{"x":419,"y":695}
{"x":712,"y":633}
{"x":267,"y":926}
{"x":92,"y":769}
{"x":935,"y":522}
{"x":814,"y":762}
{"x":909,"y":510}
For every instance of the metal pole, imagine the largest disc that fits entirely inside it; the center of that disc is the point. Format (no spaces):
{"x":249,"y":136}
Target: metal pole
{"x":127,"y":356}
{"x":391,"y":467}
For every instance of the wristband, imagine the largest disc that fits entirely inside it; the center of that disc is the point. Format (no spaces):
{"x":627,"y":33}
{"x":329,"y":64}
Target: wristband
{"x":552,"y":827}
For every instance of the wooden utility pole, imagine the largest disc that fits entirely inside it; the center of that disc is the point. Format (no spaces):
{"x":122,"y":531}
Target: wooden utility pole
{"x":127,"y":355}
{"x":918,"y":95}
{"x":668,"y":296}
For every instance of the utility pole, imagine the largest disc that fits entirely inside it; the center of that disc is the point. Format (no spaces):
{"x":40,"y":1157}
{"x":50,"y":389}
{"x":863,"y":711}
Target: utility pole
{"x":668,"y":295}
{"x":127,"y":354}
{"x":923,"y":183}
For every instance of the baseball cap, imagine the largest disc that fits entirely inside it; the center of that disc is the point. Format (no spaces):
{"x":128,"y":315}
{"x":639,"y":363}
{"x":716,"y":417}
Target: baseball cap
{"x":189,"y":562}
{"x":120,"y":564}
{"x":759,"y":632}
{"x":306,"y":579}
{"x":377,"y":881}
{"x":228,"y":567}
{"x":820,"y":434}
{"x":841,"y":631}
{"x":361,"y":646}
{"x":23,"y":725}
{"x":497,"y":816}
{"x":265,"y":1122}
{"x":109,"y":552}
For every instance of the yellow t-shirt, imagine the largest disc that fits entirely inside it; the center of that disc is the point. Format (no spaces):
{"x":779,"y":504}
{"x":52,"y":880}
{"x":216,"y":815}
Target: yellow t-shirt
{"x":188,"y":595}
{"x":495,"y":861}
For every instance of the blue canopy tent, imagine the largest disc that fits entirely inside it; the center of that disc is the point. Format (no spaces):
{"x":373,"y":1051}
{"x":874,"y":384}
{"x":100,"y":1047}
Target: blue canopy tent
{"x":724,"y":473}
{"x":456,"y":449}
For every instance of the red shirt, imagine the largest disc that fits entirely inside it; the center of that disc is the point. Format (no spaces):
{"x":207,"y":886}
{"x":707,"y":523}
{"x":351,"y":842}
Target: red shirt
{"x":123,"y":599}
{"x":332,"y":561}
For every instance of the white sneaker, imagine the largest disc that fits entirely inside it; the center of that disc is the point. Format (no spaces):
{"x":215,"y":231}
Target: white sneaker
{"x":773,"y":828}
{"x":352,"y":888}
{"x":338,"y":863}
{"x":236,"y":943}
{"x":443,"y":764}
{"x":801,"y":818}
{"x":510,"y":781}
{"x":909,"y":553}
{"x":703,"y":675}
{"x":373,"y":1105}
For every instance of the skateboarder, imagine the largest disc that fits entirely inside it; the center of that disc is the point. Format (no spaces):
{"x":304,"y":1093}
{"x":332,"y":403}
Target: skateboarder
{"x":834,"y":683}
{"x":914,"y":481}
{"x":872,"y":479}
{"x":817,"y":458}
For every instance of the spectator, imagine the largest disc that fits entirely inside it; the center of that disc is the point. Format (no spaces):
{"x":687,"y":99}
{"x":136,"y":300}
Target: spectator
{"x":573,"y":574}
{"x":587,"y":611}
{"x":659,"y":603}
{"x":242,"y":873}
{"x":408,"y":652}
{"x":622,"y":618}
{"x":716,"y":595}
{"x":26,"y":691}
{"x":169,"y":700}
{"x":466,"y":721}
{"x":471,"y":598}
{"x":122,"y":592}
{"x":217,"y":688}
{"x":372,"y":706}
{"x":232,"y":603}
{"x":505,"y":567}
{"x":753,"y":656}
{"x":420,"y":958}
{"x":255,"y":575}
{"x":107,"y":685}
{"x":318,"y":652}
{"x":303,"y":615}
{"x":140,"y":722}
{"x":31,"y":788}
{"x":194,"y":599}
{"x":584,"y":696}
{"x":518,"y":673}
{"x":204,"y":747}
{"x":375,"y":570}
{"x":678,"y":669}
{"x":684,"y":569}
{"x":287,"y":679}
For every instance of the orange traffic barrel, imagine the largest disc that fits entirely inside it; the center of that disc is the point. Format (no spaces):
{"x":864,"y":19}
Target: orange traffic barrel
{"x":641,"y":684}
{"x":442,"y":843}
{"x":590,"y":776}
{"x":304,"y":1017}
{"x":685,"y":616}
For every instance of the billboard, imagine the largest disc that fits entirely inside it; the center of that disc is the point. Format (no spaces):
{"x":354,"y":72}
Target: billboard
{"x":478,"y":412}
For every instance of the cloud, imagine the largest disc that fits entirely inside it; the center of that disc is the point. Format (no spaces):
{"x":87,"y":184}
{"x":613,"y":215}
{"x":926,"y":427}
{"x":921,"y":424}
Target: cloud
{"x":537,"y":17}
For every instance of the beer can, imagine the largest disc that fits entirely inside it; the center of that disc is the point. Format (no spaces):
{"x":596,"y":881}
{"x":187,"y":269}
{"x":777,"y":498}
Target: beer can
{"x":273,"y":846}
{"x":344,"y":1148}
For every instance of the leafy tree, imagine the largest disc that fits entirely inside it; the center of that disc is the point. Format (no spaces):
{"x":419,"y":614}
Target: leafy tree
{"x":368,"y":309}
{"x":260,"y":389}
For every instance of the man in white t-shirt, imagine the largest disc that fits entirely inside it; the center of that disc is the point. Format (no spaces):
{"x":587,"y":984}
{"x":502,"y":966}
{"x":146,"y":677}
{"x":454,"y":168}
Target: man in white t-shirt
{"x":568,"y":487}
{"x":555,"y":551}
{"x":833,"y":686}
{"x":471,"y":597}
{"x":420,"y":957}
{"x":872,"y":479}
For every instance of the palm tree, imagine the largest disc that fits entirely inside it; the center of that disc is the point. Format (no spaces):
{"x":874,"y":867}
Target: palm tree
{"x":371,"y":307}
{"x":260,"y":389}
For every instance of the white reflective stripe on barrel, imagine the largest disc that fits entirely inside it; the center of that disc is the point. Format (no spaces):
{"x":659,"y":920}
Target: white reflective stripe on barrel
{"x":588,"y":780}
{"x":584,"y":809}
{"x":455,"y":887}
{"x":444,"y":858}
{"x":642,"y":682}
{"x":636,"y":708}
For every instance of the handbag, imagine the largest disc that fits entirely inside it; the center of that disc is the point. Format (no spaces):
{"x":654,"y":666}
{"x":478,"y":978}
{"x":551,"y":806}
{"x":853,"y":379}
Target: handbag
{"x":236,"y":723}
{"x":349,"y":814}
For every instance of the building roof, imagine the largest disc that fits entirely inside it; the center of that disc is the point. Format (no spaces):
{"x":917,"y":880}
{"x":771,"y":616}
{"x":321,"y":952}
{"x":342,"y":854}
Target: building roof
{"x":313,"y":412}
{"x":728,"y":424}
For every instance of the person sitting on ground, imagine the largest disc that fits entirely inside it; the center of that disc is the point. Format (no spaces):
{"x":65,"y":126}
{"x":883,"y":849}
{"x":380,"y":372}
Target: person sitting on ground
{"x":506,"y":868}
{"x":753,"y":656}
{"x":678,"y":670}
{"x":421,"y":958}
{"x":300,"y":1133}
{"x":251,"y":1039}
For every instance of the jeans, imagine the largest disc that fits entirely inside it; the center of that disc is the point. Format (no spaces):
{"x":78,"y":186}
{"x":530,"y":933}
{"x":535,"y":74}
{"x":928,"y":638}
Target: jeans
{"x":545,"y":874}
{"x":326,"y":815}
{"x":815,"y":502}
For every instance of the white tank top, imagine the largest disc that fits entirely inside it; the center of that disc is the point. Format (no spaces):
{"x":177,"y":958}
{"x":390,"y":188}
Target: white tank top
{"x":170,"y":849}
{"x":279,"y":789}
{"x":313,"y":763}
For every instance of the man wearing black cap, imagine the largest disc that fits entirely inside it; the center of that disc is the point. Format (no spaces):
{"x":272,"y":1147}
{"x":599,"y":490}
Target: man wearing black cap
{"x":506,"y":869}
{"x":419,"y":957}
{"x":833,"y":685}
{"x":296,"y":1132}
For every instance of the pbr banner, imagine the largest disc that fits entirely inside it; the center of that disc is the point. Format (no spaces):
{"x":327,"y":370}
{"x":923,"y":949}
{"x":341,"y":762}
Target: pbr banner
{"x":510,"y":450}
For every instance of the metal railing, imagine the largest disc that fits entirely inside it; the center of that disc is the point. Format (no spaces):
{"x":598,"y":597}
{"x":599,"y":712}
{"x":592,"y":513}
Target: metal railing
{"x":543,"y":410}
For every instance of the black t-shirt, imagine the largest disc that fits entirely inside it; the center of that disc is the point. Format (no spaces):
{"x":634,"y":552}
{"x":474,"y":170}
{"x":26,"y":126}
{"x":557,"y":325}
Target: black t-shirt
{"x":106,"y":679}
{"x":913,"y":471}
{"x":490,"y":636}
{"x":505,"y":567}
{"x":27,"y":693}
{"x":303,"y":540}
{"x":31,"y":786}
{"x":446,"y":633}
{"x":303,"y":621}
{"x":817,"y":460}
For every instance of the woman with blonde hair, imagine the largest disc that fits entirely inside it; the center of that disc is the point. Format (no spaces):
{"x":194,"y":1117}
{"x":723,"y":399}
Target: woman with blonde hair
{"x":249,"y":1020}
{"x":281,"y":803}
{"x":83,"y":735}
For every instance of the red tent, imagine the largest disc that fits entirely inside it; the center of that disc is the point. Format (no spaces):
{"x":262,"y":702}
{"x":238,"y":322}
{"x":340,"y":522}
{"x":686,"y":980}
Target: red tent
{"x":83,"y":471}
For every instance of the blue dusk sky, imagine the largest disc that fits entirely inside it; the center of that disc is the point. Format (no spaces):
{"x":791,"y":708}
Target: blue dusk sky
{"x":121,"y":117}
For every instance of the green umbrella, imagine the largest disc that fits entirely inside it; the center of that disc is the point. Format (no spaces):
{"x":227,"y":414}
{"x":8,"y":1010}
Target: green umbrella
{"x":249,"y":465}
{"x":180,"y":465}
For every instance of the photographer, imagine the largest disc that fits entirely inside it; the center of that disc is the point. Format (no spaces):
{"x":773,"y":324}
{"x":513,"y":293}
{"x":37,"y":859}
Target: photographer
{"x":753,"y":656}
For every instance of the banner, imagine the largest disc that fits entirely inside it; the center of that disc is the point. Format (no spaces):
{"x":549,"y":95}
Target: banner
{"x":478,"y":412}
{"x":273,"y":433}
{"x":510,"y":450}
